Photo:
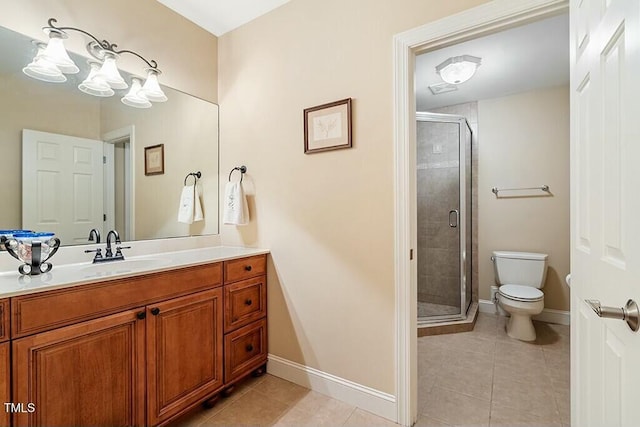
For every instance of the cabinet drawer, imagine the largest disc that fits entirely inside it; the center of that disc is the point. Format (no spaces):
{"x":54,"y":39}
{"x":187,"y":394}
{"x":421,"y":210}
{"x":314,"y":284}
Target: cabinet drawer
{"x":53,"y":309}
{"x":244,"y":268}
{"x":244,"y":302}
{"x":245,"y":349}
{"x":4,"y":319}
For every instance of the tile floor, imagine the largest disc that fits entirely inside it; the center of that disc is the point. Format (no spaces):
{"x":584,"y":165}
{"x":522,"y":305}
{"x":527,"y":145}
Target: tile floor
{"x":485,"y":378}
{"x":271,"y":401}
{"x":478,"y":378}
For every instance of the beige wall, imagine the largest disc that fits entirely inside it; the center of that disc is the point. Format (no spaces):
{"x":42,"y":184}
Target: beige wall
{"x":186,"y":54}
{"x":327,"y":217}
{"x":524,"y":141}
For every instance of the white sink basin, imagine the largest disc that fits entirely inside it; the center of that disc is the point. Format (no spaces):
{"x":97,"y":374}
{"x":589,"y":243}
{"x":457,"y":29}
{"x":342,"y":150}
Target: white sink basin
{"x":110,"y":268}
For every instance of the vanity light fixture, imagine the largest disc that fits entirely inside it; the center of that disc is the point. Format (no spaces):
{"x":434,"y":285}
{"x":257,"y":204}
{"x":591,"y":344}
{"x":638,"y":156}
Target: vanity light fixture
{"x":52,"y":62}
{"x":458,"y":69}
{"x":43,"y":69}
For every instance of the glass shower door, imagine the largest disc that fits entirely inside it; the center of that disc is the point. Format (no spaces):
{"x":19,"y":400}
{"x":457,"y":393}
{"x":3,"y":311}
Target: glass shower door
{"x":443,"y":203}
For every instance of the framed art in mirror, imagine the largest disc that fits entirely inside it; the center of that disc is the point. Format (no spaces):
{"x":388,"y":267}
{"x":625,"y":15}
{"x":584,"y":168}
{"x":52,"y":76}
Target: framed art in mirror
{"x":154,"y":160}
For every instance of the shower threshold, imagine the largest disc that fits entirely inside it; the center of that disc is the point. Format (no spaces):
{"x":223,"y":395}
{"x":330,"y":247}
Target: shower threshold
{"x":437,"y":325}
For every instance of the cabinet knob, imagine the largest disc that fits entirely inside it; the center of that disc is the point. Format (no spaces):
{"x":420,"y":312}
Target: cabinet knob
{"x":141,"y":315}
{"x":247,"y":267}
{"x":248,"y":301}
{"x":249,"y":348}
{"x":155,"y":311}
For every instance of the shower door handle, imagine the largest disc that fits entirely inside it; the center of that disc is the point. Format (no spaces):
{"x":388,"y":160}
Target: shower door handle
{"x":453,"y":223}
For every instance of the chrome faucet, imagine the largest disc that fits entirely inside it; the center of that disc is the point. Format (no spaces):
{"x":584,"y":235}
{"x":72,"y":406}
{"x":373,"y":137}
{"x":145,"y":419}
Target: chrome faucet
{"x":94,"y":234}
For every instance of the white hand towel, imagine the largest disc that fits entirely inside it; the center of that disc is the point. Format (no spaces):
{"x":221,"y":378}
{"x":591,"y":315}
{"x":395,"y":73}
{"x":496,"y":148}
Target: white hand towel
{"x":190,"y":209}
{"x":236,"y":210}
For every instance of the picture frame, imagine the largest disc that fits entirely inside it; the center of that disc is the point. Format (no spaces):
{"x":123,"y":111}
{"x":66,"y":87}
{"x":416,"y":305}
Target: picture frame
{"x":154,"y":160}
{"x":327,"y":127}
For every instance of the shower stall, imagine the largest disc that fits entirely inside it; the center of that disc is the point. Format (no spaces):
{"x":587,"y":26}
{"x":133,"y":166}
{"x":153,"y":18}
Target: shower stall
{"x":443,"y":167}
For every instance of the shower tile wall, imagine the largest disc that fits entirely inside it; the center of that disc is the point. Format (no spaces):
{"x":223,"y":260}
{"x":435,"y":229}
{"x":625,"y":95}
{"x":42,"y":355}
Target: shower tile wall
{"x":438,"y":193}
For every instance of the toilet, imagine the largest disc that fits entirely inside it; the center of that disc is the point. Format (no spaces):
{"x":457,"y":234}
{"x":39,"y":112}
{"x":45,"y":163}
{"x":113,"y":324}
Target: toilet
{"x":520,"y":277}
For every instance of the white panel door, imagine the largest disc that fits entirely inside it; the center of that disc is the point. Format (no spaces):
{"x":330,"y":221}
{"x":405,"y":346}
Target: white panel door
{"x":605,"y":204}
{"x":62,"y":185}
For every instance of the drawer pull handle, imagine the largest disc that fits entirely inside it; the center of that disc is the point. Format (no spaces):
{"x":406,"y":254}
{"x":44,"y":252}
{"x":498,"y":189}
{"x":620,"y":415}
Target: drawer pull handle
{"x":248,"y":301}
{"x":155,"y":311}
{"x":141,"y":315}
{"x":247,"y":267}
{"x":249,"y":348}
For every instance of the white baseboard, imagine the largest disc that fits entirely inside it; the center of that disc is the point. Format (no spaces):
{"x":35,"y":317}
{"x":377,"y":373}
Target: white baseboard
{"x":363,"y":397}
{"x":548,"y":315}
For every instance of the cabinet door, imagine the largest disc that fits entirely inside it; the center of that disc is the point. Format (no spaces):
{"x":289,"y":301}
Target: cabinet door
{"x":5,"y":384}
{"x":87,"y":374}
{"x":184,"y":353}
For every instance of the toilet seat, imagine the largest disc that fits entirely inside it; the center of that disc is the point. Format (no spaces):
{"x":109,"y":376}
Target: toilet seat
{"x":521,"y":293}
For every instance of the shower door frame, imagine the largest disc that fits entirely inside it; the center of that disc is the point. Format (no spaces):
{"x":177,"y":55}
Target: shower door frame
{"x":464,"y":214}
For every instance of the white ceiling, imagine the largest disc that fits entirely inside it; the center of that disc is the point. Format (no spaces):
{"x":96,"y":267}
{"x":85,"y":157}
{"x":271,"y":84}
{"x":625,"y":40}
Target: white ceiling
{"x":520,"y":59}
{"x":221,"y":16}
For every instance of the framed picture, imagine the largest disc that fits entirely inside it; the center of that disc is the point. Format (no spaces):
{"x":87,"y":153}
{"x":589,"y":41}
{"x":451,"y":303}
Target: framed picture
{"x":154,"y":160}
{"x":327,"y":127}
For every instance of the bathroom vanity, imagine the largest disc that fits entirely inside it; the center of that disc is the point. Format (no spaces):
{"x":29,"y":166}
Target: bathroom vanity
{"x":137,"y":347}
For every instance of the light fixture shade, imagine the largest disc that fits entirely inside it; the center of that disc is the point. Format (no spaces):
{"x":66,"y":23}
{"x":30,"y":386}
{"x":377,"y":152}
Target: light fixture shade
{"x":136,"y":98}
{"x":151,"y":88}
{"x":42,"y":69}
{"x":57,"y":54}
{"x":94,"y":84}
{"x":458,"y":69}
{"x":109,"y":72}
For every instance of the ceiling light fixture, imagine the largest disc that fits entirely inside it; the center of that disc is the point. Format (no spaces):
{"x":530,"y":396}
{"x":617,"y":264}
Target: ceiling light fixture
{"x":52,"y":62}
{"x":458,"y":69}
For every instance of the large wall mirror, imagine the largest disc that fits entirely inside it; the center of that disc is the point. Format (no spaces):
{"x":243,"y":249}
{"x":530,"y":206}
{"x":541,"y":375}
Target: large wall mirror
{"x":52,"y":115}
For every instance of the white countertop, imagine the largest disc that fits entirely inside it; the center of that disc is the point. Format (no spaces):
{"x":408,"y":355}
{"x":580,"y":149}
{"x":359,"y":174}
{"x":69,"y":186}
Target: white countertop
{"x":62,"y":276}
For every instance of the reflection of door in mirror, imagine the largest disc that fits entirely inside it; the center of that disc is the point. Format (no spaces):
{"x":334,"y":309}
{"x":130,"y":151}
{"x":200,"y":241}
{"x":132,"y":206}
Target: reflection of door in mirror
{"x":119,"y":186}
{"x":62,"y":185}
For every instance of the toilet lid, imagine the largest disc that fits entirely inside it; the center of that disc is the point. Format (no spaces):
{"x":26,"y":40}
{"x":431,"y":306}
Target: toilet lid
{"x":521,"y":293}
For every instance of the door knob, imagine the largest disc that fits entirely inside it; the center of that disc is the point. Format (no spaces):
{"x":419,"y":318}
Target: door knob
{"x":629,"y":313}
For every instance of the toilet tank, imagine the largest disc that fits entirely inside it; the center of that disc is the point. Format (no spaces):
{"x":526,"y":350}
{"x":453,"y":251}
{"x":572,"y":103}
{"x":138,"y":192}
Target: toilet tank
{"x":520,"y":268}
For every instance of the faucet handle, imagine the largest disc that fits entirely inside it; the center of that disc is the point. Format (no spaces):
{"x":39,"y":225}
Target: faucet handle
{"x":98,"y":252}
{"x":119,"y":251}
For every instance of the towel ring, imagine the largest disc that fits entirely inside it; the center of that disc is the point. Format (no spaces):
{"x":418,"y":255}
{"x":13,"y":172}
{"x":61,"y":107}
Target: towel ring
{"x":195,"y":175}
{"x":242,"y":169}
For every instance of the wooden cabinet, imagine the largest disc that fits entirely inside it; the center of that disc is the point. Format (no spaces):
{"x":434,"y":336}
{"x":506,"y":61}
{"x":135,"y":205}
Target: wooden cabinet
{"x":5,"y":362}
{"x":245,"y":350}
{"x":244,"y":302}
{"x":133,"y":351}
{"x":184,"y":353}
{"x":91,"y":373}
{"x":245,"y":325}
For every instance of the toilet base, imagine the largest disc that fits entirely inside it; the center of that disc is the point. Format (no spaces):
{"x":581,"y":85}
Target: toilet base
{"x":521,"y":327}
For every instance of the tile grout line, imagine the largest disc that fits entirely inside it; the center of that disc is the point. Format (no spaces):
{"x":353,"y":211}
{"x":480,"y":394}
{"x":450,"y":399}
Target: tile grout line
{"x":493,"y":373}
{"x":349,"y":417}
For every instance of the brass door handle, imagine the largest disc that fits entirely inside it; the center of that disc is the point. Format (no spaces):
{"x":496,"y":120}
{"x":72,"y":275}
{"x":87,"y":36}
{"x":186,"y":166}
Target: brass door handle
{"x":629,"y":313}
